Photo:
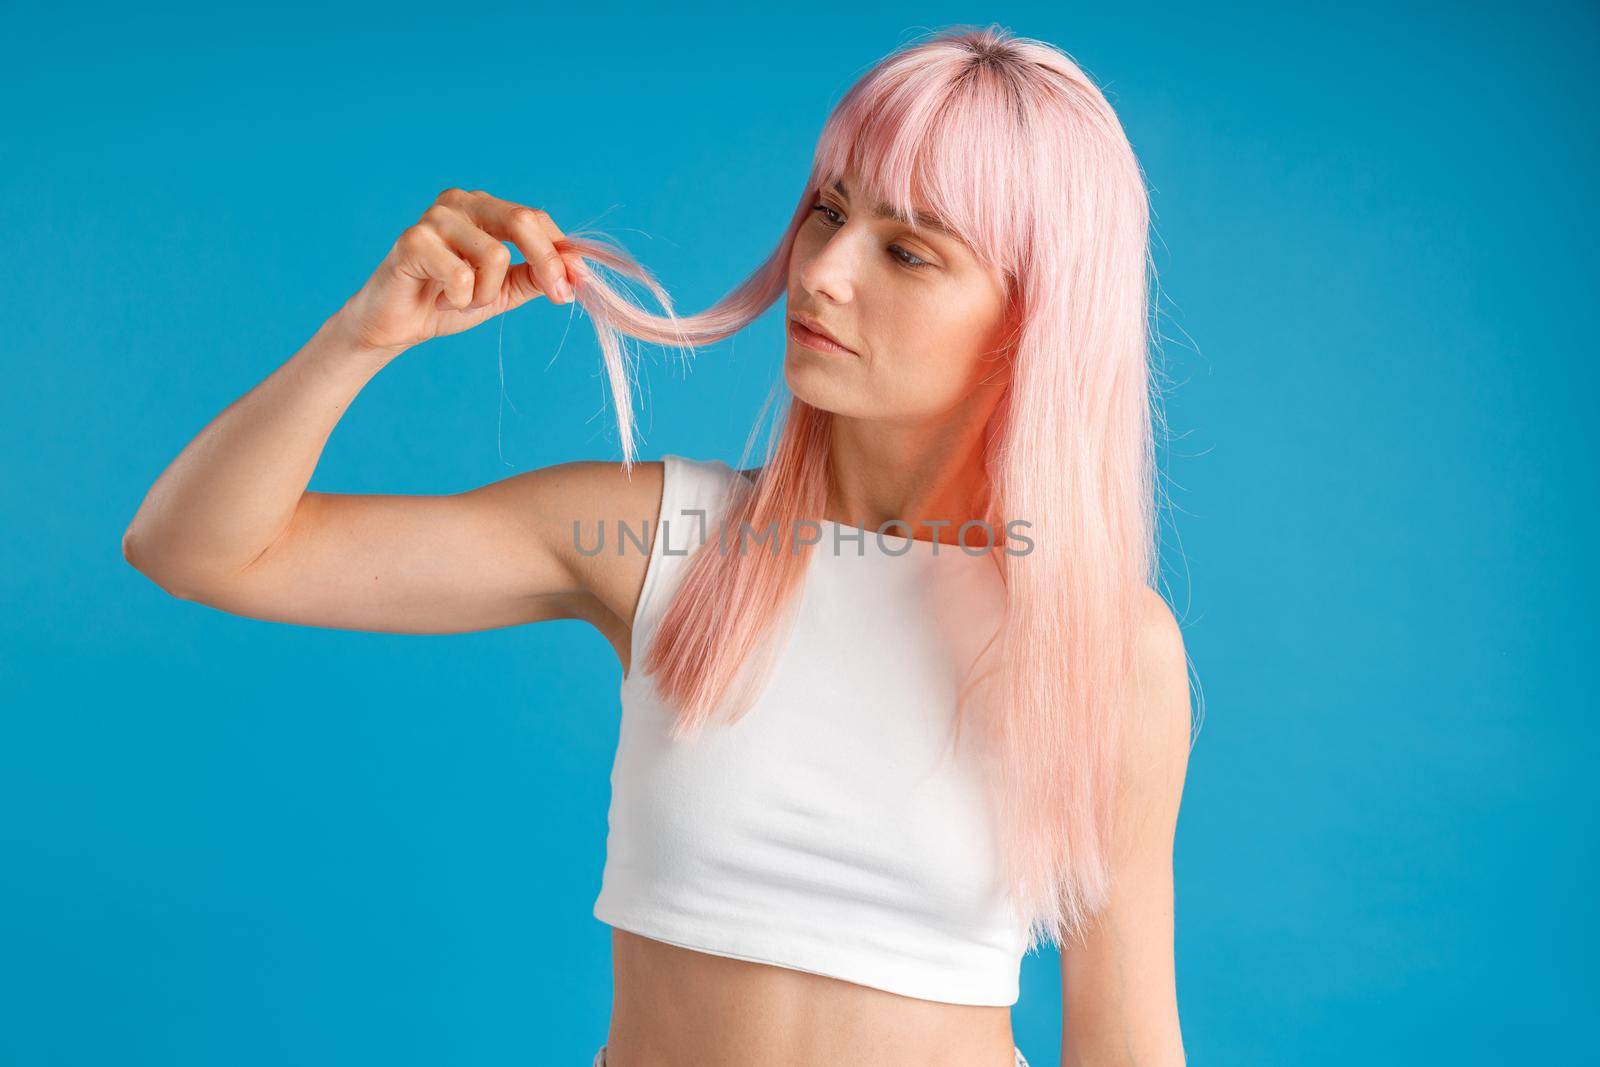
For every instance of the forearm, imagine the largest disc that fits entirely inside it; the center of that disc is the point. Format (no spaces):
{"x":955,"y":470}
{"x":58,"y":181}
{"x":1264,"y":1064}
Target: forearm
{"x":234,"y":488}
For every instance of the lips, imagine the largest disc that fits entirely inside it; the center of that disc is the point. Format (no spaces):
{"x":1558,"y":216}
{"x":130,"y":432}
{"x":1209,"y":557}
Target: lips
{"x":809,"y":332}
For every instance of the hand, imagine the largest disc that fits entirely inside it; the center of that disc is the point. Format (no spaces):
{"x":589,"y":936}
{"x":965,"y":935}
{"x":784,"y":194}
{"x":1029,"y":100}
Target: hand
{"x":451,"y":271}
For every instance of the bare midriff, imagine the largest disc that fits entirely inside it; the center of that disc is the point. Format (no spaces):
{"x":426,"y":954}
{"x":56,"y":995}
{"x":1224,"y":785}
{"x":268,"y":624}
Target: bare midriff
{"x":675,"y":1007}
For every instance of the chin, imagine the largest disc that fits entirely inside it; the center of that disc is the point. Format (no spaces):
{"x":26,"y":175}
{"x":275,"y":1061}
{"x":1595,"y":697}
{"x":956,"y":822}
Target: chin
{"x":816,"y":382}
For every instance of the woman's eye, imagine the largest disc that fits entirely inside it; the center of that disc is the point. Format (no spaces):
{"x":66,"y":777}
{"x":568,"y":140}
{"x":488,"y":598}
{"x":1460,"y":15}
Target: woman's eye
{"x":824,"y":208}
{"x":899,"y":253}
{"x":907,"y":258}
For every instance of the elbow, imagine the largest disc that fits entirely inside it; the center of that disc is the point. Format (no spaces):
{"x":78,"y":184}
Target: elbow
{"x":131,"y":549}
{"x":1146,"y":1045}
{"x":1072,"y":1057}
{"x":140,"y":557}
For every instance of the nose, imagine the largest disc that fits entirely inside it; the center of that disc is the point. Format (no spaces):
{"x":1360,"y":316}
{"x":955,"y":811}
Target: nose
{"x":830,"y":272}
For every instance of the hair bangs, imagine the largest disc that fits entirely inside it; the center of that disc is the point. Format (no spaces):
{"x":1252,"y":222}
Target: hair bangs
{"x":946,"y":140}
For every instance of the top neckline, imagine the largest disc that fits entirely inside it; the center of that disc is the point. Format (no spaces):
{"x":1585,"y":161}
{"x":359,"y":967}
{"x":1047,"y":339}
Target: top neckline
{"x":944,"y":548}
{"x":893,"y":540}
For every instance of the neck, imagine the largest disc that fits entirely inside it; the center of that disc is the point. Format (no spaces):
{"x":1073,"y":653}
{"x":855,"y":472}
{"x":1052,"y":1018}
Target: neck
{"x":927,"y":476}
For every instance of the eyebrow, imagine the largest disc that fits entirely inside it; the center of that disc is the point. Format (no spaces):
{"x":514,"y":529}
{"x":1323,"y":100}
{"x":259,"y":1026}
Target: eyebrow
{"x":884,"y":211}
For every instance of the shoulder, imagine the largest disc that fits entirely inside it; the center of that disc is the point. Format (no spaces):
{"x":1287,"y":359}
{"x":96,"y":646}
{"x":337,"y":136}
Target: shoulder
{"x":591,"y":491}
{"x":693,"y":485}
{"x":586,"y":491}
{"x":1158,"y":721}
{"x":1159,"y":641}
{"x":555,"y":509}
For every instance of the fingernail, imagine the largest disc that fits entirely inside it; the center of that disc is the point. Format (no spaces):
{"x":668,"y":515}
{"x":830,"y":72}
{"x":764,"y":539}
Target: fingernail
{"x":564,"y":290}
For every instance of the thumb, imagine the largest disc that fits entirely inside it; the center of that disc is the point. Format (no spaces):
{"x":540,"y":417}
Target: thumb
{"x":522,"y":285}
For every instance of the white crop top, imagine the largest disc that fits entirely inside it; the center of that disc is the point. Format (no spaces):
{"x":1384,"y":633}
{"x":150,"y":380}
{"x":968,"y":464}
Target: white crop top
{"x":834,"y":828}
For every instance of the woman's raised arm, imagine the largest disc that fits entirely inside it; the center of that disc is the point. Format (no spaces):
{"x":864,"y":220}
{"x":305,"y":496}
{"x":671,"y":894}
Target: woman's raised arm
{"x":231,"y":523}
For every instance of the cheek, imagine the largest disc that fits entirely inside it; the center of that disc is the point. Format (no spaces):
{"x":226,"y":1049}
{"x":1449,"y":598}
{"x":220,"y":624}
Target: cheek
{"x":937,"y":352}
{"x":935,"y":332}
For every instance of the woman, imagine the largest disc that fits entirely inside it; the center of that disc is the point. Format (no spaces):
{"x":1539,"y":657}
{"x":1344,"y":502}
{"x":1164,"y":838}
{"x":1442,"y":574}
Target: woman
{"x":809,"y":861}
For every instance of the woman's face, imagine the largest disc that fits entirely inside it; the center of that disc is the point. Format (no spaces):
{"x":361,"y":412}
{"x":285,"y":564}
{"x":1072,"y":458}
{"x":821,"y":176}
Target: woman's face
{"x":918,"y":311}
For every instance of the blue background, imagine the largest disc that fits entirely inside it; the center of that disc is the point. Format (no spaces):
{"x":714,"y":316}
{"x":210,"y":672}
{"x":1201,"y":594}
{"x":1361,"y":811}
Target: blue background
{"x":231,"y":841}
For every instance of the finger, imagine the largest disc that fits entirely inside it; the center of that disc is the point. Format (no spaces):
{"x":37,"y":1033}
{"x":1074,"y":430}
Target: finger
{"x":424,"y":255}
{"x":533,"y":232}
{"x":490,"y":258}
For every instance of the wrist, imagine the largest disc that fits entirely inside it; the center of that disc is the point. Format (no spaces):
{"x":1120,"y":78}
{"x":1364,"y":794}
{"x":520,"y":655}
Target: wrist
{"x":336,"y":347}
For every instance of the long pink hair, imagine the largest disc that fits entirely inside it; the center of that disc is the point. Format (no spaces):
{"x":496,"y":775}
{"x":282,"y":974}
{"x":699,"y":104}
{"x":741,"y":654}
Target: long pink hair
{"x":1009,"y":142}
